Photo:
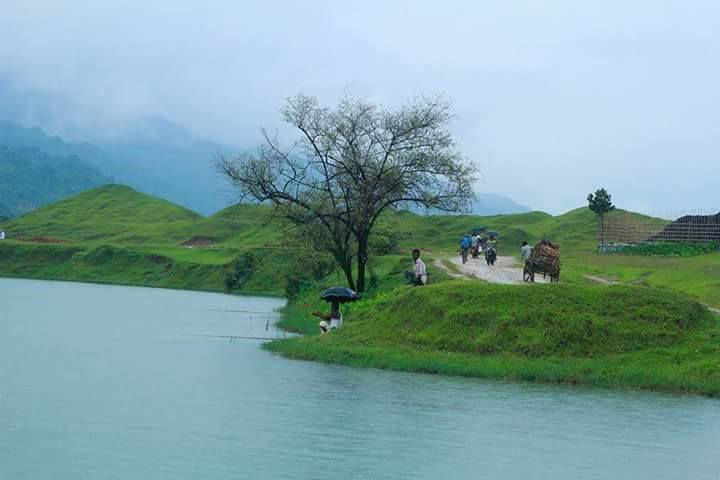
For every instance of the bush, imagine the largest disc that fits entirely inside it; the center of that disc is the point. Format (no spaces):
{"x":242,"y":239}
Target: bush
{"x":669,"y":249}
{"x":240,"y":271}
{"x":308,"y":268}
{"x":384,"y":238}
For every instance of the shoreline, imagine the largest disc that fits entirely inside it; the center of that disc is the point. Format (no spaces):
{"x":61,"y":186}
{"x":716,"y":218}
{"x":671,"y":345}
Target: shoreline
{"x":239,"y":293}
{"x":624,"y":371}
{"x":688,"y":365}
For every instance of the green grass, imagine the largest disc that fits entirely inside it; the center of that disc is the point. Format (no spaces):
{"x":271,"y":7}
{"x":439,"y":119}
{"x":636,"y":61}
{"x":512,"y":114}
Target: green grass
{"x":122,"y":217}
{"x":625,"y":335}
{"x":619,"y":336}
{"x":114,"y":234}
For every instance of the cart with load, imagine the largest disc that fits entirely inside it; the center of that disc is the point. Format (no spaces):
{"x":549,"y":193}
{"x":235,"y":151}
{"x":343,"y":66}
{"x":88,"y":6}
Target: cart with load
{"x":545,"y":259}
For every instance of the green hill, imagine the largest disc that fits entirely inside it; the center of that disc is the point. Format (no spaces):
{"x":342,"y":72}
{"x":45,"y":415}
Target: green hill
{"x":624,"y":335}
{"x":116,"y":234}
{"x":119,"y":217}
{"x":108,"y":213}
{"x":597,"y":335}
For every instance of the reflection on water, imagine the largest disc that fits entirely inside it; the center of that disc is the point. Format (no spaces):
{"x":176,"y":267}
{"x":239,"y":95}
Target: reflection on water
{"x":113,"y":382}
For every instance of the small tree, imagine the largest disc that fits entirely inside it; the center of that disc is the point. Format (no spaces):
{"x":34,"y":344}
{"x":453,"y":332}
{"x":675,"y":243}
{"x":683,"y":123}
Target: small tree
{"x":352,"y":163}
{"x":600,"y":202}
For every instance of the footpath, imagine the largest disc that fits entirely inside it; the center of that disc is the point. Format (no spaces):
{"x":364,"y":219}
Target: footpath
{"x":506,"y":270}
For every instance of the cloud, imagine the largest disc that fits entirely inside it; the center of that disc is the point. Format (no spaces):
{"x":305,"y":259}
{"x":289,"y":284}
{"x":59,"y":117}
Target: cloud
{"x":553,"y":98}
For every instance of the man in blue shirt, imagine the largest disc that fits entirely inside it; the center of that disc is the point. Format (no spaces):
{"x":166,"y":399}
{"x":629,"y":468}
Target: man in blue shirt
{"x":465,"y":247}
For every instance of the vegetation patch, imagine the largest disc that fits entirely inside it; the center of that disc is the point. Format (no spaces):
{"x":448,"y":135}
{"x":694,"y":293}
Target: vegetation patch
{"x":669,"y":249}
{"x":605,"y":335}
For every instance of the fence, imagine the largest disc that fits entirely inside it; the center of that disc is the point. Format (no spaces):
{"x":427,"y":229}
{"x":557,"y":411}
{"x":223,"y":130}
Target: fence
{"x":622,"y":228}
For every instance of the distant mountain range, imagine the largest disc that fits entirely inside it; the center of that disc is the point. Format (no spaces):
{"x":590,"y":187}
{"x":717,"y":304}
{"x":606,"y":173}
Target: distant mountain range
{"x":151,"y":154}
{"x":496,"y":204}
{"x":30,"y":178}
{"x":166,"y":160}
{"x":486,"y":204}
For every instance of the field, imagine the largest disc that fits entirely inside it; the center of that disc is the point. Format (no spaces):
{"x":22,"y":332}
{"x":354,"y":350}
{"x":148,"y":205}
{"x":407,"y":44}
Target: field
{"x":614,"y":320}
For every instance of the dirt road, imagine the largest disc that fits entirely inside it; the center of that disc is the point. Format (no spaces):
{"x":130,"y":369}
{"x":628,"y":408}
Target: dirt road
{"x":505,"y":270}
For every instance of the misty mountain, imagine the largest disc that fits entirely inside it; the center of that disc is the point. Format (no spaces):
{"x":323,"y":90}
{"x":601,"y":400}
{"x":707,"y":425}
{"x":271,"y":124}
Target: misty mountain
{"x":30,"y":178}
{"x":148,"y":153}
{"x":496,"y":204}
{"x":164,"y":159}
{"x":486,"y":204}
{"x":154,"y":156}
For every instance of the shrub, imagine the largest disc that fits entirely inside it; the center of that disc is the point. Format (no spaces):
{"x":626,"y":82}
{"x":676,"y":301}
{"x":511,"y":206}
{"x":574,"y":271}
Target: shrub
{"x":239,"y":272}
{"x":307,"y":268}
{"x":669,"y":249}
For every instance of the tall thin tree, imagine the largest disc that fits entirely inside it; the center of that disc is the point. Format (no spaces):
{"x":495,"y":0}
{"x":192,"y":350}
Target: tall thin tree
{"x":601,"y":204}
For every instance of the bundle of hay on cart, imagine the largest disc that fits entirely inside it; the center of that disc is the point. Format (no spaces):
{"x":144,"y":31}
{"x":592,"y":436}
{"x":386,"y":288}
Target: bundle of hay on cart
{"x":545,"y":259}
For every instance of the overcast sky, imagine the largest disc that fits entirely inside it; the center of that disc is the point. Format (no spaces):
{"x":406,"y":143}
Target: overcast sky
{"x":552,"y":98}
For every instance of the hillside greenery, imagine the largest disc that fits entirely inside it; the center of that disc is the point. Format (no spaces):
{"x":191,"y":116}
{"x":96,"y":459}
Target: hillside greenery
{"x":119,"y":216}
{"x":615,"y":336}
{"x":650,"y":331}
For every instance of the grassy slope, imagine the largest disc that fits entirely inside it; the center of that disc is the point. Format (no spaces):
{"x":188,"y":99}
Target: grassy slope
{"x":137,"y":224}
{"x":576,"y":232}
{"x":133,"y":223}
{"x":574,"y":332}
{"x":116,"y":234}
{"x":612,"y":336}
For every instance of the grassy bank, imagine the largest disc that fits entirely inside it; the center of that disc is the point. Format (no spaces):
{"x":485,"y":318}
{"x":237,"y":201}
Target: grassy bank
{"x":617,"y":336}
{"x":158,"y":243}
{"x":125,"y":265}
{"x":576,"y":332}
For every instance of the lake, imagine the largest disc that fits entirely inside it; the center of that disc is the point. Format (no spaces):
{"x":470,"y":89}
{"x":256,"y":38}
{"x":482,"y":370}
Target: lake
{"x":110,"y":382}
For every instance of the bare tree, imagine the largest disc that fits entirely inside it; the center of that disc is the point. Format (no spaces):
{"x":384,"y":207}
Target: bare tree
{"x":352,"y":163}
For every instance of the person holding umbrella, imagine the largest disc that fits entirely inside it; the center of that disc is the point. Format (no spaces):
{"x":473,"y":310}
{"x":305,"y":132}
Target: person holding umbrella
{"x":335,"y":296}
{"x":330,"y":321}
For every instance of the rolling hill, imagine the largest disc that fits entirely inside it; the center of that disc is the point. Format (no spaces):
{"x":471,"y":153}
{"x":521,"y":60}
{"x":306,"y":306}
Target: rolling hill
{"x":137,"y":231}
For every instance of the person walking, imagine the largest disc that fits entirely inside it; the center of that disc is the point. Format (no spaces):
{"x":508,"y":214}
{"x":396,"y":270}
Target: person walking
{"x":475,"y":245}
{"x":525,"y":251}
{"x":464,"y":247}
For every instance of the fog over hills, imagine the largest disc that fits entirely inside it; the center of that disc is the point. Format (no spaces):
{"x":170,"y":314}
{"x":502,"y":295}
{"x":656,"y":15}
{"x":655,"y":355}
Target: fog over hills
{"x":149,"y":153}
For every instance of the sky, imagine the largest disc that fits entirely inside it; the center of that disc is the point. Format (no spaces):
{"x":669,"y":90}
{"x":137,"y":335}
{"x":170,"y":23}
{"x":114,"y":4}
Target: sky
{"x":552,"y":99}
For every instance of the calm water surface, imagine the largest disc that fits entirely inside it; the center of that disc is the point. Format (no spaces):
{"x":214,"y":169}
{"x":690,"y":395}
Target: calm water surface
{"x":106,"y":382}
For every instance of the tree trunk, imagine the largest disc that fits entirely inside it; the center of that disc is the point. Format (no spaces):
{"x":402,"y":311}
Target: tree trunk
{"x":347,"y":268}
{"x":362,"y":257}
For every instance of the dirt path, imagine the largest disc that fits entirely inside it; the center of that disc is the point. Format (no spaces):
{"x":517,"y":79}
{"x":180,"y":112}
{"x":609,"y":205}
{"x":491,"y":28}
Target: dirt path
{"x":505,"y":270}
{"x":601,"y":280}
{"x":439,"y":264}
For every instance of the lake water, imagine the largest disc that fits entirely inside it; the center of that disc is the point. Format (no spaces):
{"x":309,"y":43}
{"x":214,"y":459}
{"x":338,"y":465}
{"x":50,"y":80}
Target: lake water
{"x":108,"y":382}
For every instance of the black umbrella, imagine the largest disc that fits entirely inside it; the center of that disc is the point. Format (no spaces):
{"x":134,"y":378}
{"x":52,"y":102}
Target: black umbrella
{"x":339,"y":295}
{"x":493,"y":233}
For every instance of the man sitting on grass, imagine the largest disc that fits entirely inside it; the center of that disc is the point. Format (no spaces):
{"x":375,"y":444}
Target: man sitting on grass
{"x":418,"y":276}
